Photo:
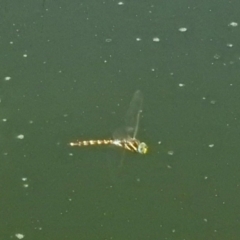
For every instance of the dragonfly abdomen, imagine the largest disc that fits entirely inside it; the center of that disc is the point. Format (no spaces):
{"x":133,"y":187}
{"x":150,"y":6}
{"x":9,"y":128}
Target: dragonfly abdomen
{"x":91,"y":142}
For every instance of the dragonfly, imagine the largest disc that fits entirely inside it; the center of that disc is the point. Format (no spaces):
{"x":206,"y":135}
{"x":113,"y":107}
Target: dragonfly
{"x":124,"y":137}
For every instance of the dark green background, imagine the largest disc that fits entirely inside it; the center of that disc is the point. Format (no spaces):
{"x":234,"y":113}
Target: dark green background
{"x":82,"y":67}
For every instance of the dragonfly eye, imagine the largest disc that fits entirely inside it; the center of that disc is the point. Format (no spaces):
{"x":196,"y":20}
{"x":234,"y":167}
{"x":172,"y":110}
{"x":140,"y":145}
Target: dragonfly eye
{"x":142,"y":148}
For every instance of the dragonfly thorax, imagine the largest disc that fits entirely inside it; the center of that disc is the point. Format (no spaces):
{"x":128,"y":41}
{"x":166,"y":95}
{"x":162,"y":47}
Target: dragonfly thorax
{"x":132,"y":145}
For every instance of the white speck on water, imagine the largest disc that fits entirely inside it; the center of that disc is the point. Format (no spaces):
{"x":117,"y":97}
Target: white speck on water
{"x":181,"y":85}
{"x":213,"y":101}
{"x":205,"y":177}
{"x":216,"y":56}
{"x":20,"y":136}
{"x":233,"y":24}
{"x":25,"y":55}
{"x":7,"y":78}
{"x":182,"y":29}
{"x":120,"y":3}
{"x":159,"y":142}
{"x":156,"y":39}
{"x":108,"y":40}
{"x":24,"y":179}
{"x":19,"y":235}
{"x":170,"y":152}
{"x":26,"y":185}
{"x":229,"y":45}
{"x":205,"y":220}
{"x":211,"y":145}
{"x":4,"y":120}
{"x":138,"y":39}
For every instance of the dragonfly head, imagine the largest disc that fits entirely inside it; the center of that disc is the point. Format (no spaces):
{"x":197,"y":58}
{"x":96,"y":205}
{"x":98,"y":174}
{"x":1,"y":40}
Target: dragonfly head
{"x":142,"y":148}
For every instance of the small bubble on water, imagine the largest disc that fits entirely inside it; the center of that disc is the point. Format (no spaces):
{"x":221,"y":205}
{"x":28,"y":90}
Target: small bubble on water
{"x":182,"y":29}
{"x":156,"y":39}
{"x":233,"y":24}
{"x":20,"y":136}
{"x":170,"y":152}
{"x":7,"y":78}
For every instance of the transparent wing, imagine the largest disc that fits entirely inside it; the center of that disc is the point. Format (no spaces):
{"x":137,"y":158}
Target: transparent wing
{"x":133,"y":114}
{"x":132,"y":117}
{"x":128,"y":131}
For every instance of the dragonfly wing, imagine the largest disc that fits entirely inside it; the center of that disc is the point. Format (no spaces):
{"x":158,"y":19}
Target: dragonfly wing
{"x":133,"y":114}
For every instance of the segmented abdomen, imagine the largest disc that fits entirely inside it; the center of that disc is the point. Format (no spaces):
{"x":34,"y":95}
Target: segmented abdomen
{"x":91,"y":142}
